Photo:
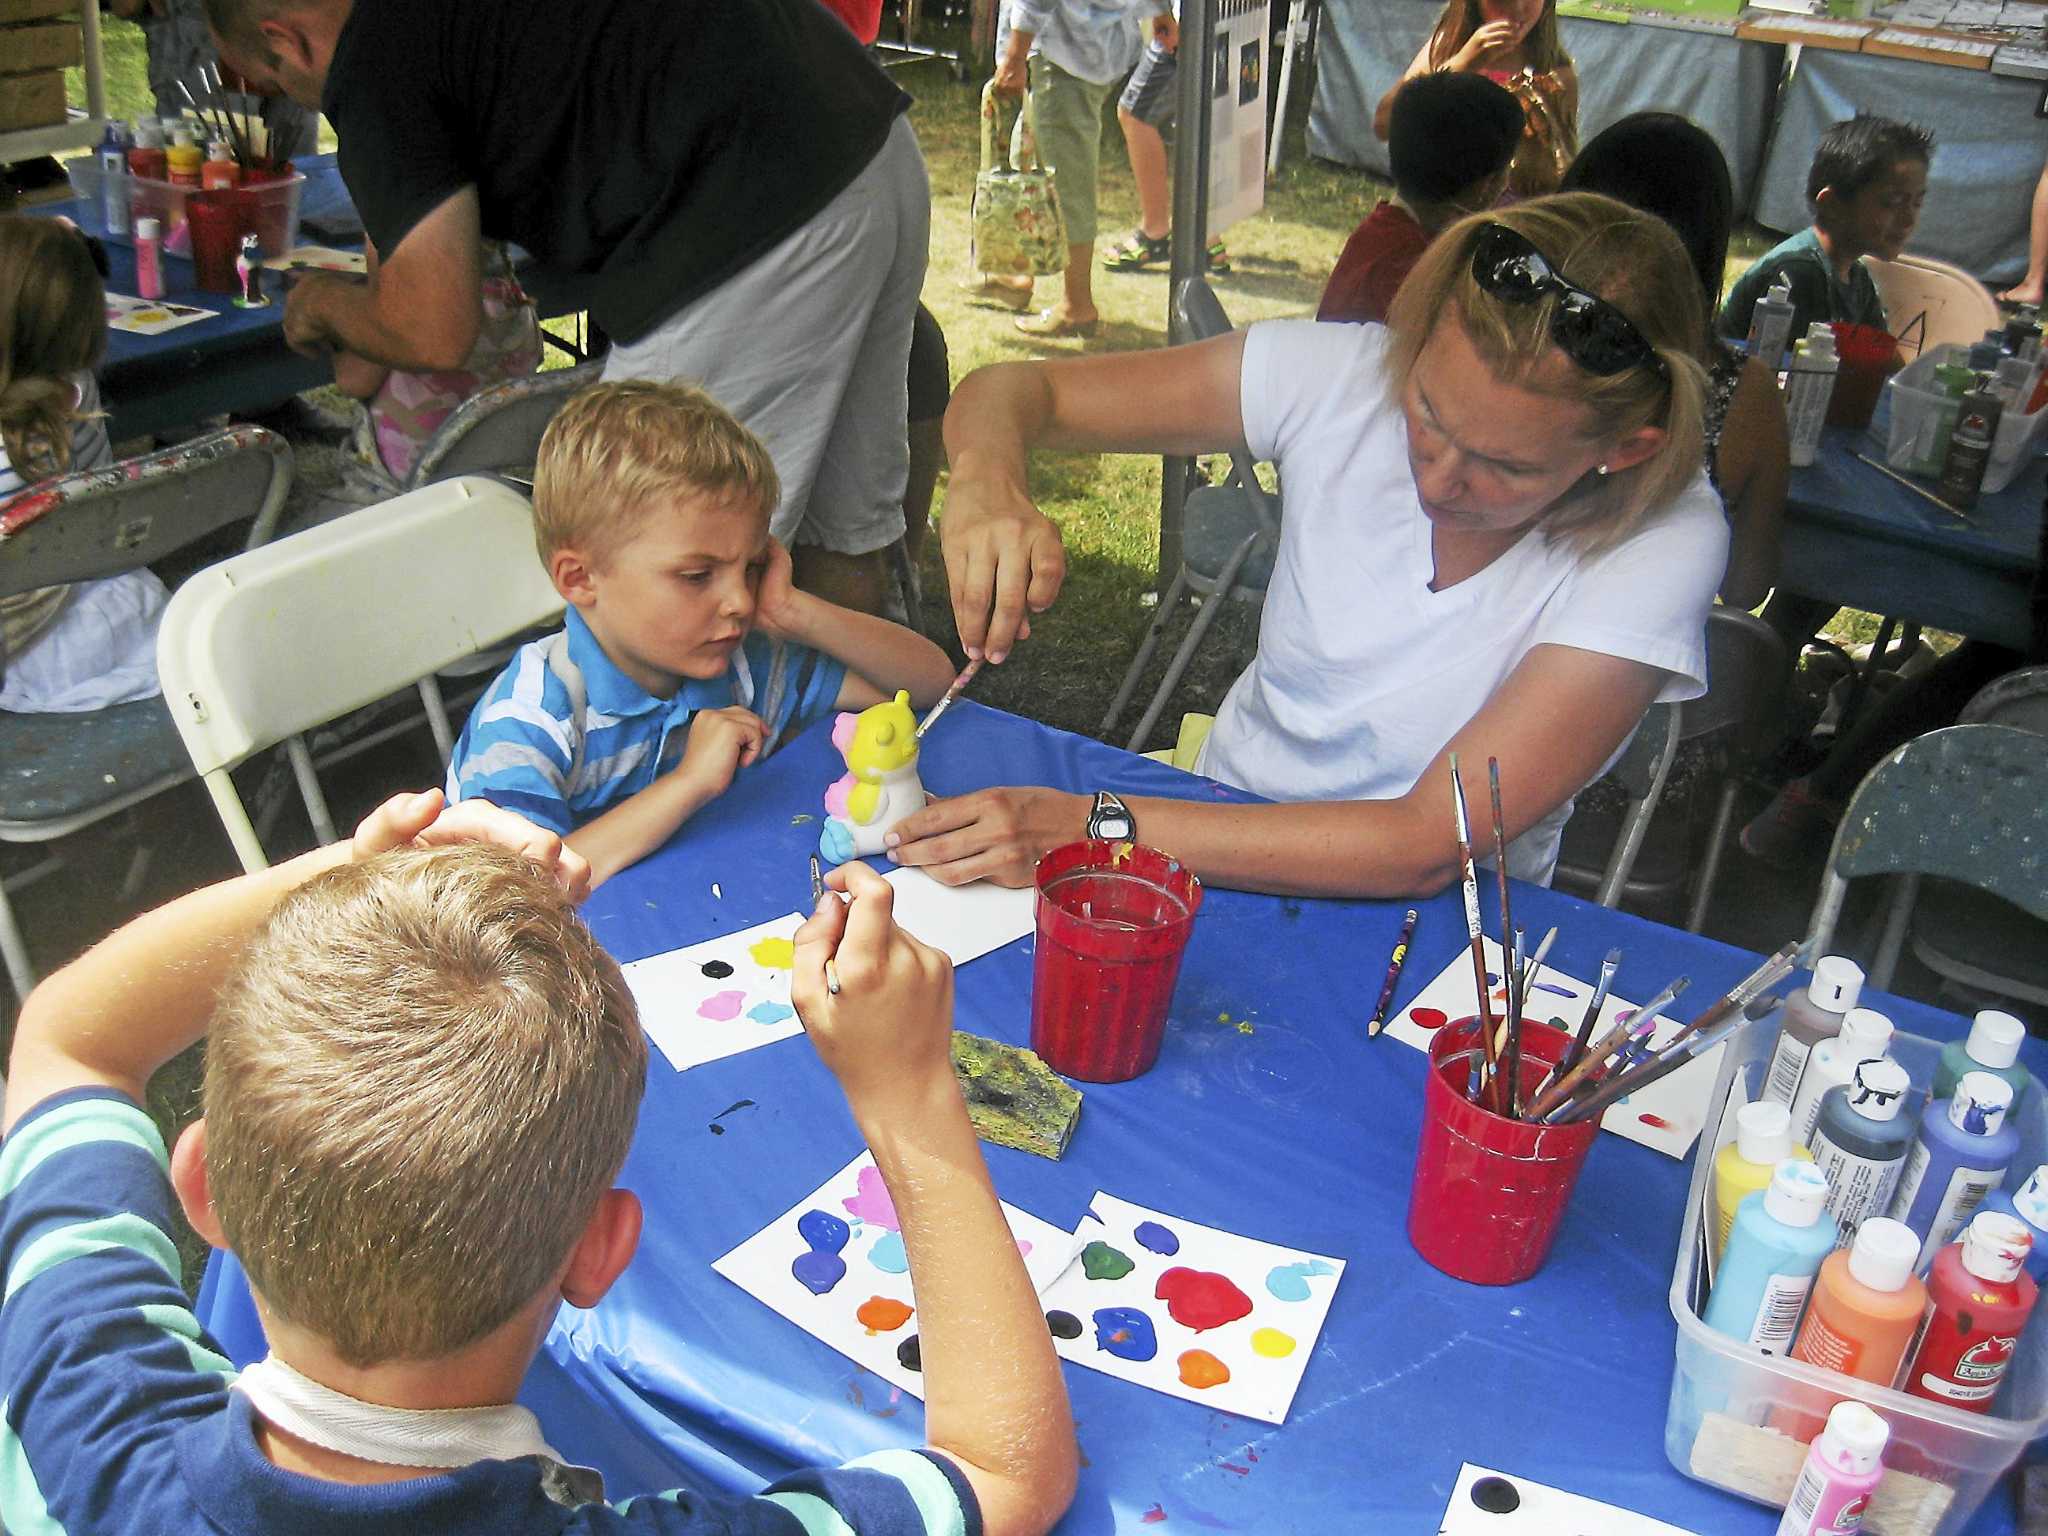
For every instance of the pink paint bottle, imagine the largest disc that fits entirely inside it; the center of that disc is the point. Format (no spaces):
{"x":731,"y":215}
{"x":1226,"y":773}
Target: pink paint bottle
{"x":1841,"y":1472}
{"x":149,"y":259}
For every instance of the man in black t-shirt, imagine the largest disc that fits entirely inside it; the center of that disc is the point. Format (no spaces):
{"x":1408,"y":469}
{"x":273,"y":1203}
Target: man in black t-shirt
{"x":731,"y":183}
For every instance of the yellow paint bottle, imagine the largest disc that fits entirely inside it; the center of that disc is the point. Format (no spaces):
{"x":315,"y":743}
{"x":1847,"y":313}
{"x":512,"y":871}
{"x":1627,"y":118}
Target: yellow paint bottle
{"x":1763,"y":1136}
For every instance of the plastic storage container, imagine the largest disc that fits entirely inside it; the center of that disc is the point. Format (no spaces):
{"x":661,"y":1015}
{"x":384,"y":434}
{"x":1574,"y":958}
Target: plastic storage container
{"x":1727,"y":1397}
{"x":270,"y":209}
{"x":1917,"y":407}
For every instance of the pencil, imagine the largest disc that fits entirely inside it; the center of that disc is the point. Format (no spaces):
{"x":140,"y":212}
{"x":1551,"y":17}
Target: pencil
{"x":818,"y":895}
{"x":1478,"y":935}
{"x":959,"y":686}
{"x":1400,"y":958}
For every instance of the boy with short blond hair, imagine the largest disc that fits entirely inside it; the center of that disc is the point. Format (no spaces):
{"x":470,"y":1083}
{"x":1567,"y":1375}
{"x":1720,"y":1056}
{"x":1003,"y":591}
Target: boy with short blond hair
{"x":687,"y":653}
{"x":424,"y":1079}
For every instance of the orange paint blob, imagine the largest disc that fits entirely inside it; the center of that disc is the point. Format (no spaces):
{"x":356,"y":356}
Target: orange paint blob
{"x":1199,"y":1368}
{"x":882,"y":1314}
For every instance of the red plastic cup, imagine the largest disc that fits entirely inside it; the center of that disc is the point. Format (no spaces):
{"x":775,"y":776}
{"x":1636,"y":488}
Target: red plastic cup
{"x":268,"y":217}
{"x":1113,"y":923}
{"x":1490,"y":1192}
{"x":217,"y":223}
{"x":1868,"y":356}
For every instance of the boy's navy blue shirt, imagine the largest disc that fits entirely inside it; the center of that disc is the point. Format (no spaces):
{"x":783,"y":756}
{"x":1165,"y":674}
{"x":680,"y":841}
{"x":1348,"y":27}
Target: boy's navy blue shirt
{"x":118,"y":1414}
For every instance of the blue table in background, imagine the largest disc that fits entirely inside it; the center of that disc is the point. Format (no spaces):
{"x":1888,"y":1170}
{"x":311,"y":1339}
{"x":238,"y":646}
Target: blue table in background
{"x":1292,"y":1128}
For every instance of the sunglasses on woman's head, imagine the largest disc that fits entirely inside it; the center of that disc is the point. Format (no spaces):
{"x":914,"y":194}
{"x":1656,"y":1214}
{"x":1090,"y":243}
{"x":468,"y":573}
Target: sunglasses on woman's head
{"x":1587,"y":329}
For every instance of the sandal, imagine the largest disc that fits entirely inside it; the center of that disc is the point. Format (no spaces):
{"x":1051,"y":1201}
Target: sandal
{"x":1049,"y":323}
{"x":1138,"y":250}
{"x":1217,"y":257}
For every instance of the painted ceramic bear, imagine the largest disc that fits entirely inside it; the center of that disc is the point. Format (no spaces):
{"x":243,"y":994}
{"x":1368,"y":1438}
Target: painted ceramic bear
{"x":880,"y":786}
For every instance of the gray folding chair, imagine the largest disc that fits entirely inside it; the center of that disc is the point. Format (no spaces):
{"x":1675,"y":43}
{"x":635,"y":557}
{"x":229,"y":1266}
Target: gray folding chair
{"x":66,"y":772}
{"x":1969,"y":804}
{"x":1231,"y":538}
{"x":1641,"y":771}
{"x":498,"y":430}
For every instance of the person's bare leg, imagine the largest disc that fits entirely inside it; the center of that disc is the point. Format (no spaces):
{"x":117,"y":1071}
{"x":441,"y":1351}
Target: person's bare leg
{"x":2031,"y":288}
{"x":927,"y":458}
{"x":859,"y":582}
{"x":1147,"y":150}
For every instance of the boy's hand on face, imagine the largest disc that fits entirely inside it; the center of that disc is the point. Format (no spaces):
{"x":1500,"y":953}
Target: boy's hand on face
{"x":426,"y":820}
{"x":777,"y":600}
{"x":887,"y":1035}
{"x":721,"y":742}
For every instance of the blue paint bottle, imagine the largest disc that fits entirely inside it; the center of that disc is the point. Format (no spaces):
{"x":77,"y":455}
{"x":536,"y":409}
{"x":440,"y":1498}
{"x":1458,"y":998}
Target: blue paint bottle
{"x":1775,"y":1248}
{"x":1960,"y":1155}
{"x":2030,"y":1204}
{"x":1861,"y":1142}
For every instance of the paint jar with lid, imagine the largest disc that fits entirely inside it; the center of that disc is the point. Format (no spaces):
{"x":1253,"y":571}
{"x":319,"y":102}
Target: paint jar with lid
{"x":2029,"y":1204}
{"x":1993,"y":1045}
{"x":1979,"y":1296}
{"x":1746,"y":1166}
{"x":1862,"y":1141}
{"x":1865,"y":1035}
{"x":1959,"y":1156}
{"x":1782,"y":1236}
{"x":1812,"y":1014}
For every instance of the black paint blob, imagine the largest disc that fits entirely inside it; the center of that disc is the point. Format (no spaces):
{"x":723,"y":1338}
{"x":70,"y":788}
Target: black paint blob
{"x":717,"y":970}
{"x":715,"y":1128}
{"x":1064,"y":1325}
{"x":909,"y":1356}
{"x":1496,"y":1495}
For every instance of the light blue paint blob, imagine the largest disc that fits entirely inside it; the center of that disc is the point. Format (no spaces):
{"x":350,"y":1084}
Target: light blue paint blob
{"x":1126,"y":1333}
{"x":888,"y":1256}
{"x":822,"y":1231}
{"x":769,"y":1013}
{"x":1289,"y":1282}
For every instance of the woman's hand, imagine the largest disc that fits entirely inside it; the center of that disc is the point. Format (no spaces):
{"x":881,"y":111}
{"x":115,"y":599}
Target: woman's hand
{"x":1004,"y":561}
{"x":993,"y":834}
{"x":1493,"y":36}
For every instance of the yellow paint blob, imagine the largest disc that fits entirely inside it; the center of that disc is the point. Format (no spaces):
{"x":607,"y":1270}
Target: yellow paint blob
{"x":1272,"y":1343}
{"x":774,"y":954}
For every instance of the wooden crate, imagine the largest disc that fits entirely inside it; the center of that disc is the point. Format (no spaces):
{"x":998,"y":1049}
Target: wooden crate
{"x":31,"y":101}
{"x":35,"y":10}
{"x":40,"y":45}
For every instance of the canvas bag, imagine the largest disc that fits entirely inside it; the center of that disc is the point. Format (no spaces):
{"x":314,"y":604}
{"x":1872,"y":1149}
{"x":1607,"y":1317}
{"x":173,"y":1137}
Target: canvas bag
{"x":1018,"y":230}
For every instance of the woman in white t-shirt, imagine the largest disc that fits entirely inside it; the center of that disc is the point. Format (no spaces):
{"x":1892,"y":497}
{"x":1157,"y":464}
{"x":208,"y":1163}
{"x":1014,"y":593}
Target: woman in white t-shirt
{"x":1497,"y":540}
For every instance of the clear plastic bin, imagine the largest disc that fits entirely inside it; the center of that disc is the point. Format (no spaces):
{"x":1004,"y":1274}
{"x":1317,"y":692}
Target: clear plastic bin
{"x":1727,"y":1396}
{"x":271,"y":207}
{"x":1916,"y":430}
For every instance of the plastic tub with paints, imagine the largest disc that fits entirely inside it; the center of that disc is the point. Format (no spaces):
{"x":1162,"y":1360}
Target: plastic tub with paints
{"x":1918,"y":412}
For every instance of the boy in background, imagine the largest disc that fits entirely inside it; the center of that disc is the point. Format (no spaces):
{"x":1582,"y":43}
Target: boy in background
{"x":423,"y":1077}
{"x":1866,"y":185}
{"x":1450,"y":142}
{"x":687,"y":653}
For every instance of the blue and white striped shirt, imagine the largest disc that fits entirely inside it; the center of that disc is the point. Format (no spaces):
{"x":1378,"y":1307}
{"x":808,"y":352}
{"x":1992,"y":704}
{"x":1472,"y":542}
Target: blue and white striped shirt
{"x":531,"y":746}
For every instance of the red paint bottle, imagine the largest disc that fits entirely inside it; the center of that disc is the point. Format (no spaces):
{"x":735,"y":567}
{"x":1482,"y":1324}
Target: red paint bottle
{"x":1979,"y":1296}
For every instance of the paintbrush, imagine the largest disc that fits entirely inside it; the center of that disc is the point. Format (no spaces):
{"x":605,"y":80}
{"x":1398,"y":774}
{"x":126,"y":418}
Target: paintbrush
{"x":1471,"y":889}
{"x":1644,"y":1017}
{"x":1594,"y":1004}
{"x":818,"y":895}
{"x":1918,"y":490}
{"x":1536,"y":962}
{"x":1400,"y":958}
{"x":959,"y":686}
{"x":1745,"y":991}
{"x":1665,"y":1062}
{"x":1511,"y":942}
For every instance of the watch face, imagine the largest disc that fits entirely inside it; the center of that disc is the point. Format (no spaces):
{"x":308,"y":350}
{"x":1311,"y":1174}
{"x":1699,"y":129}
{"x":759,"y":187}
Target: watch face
{"x":1113,"y":828}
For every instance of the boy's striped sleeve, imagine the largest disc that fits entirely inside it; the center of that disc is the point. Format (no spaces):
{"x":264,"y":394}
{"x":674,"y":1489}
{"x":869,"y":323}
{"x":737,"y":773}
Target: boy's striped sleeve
{"x":886,"y":1493}
{"x":517,"y":748}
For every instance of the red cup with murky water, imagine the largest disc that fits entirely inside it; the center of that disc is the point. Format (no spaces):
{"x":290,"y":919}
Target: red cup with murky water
{"x":1113,"y":923}
{"x":1490,"y":1192}
{"x":217,"y":222}
{"x":1868,"y":354}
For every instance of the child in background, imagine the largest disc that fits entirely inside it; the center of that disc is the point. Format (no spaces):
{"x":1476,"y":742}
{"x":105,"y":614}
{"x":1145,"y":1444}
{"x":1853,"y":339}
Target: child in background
{"x":68,"y":649}
{"x":1145,"y":111}
{"x":687,"y":654}
{"x":1452,"y":137}
{"x":1865,"y":187}
{"x":401,"y":411}
{"x":1515,"y":44}
{"x":416,"y":1025}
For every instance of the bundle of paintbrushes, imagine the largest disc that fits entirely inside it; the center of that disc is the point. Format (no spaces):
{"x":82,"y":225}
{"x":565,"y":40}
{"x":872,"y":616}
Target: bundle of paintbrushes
{"x":232,"y":118}
{"x":1591,"y":1074}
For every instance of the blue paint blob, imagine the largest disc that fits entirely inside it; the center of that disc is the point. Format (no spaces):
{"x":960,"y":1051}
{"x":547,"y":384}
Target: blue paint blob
{"x":1155,"y":1237}
{"x":770,"y":1013}
{"x":1126,"y":1333}
{"x":888,"y":1256}
{"x":822,"y":1231}
{"x":1492,"y":980}
{"x":1289,"y":1282}
{"x":818,"y":1272}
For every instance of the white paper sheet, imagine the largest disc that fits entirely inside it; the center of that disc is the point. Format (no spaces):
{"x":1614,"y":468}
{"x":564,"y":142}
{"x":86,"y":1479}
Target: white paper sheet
{"x":152,"y":317}
{"x":965,"y":921}
{"x":781,"y":1267}
{"x":1666,"y":1116}
{"x":1286,"y":1294}
{"x":1487,"y":1503}
{"x":694,"y":1016}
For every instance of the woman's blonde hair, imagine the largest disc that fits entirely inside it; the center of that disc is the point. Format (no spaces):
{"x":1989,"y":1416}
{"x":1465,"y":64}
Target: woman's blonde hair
{"x":1636,"y":264}
{"x":52,"y":325}
{"x":1542,"y":49}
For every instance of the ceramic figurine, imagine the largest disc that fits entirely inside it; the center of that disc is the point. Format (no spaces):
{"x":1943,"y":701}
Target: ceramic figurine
{"x":249,"y":268}
{"x":880,"y":786}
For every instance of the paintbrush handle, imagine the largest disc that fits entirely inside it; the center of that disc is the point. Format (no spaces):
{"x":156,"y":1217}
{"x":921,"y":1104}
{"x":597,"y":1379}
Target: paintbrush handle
{"x":1660,"y":1066}
{"x":959,"y":686}
{"x":1590,"y":1063}
{"x":1918,"y":490}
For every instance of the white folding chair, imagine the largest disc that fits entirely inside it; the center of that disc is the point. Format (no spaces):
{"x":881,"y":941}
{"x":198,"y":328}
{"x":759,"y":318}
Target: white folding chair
{"x":264,"y":647}
{"x":1958,"y":307}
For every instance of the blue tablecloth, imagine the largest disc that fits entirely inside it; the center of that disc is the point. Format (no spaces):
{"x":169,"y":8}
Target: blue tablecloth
{"x":1292,"y":1128}
{"x":1988,"y":148}
{"x":1723,"y":85}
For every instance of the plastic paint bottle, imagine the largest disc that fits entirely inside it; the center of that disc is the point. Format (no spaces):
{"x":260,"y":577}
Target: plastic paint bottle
{"x":1862,"y":1141}
{"x":1809,"y":384}
{"x":149,"y":259}
{"x":1811,"y":1016}
{"x":220,"y":171}
{"x":1770,"y":324}
{"x":1865,"y":1035}
{"x":1993,"y":1046}
{"x":147,"y":158}
{"x":1781,"y":1237}
{"x":1763,"y":1139}
{"x":1960,"y":1155}
{"x":1969,"y":449}
{"x":1843,"y":1468}
{"x":1979,"y":1300}
{"x":184,"y":158}
{"x":113,"y":163}
{"x":1866,"y":1305}
{"x":2029,"y":1205}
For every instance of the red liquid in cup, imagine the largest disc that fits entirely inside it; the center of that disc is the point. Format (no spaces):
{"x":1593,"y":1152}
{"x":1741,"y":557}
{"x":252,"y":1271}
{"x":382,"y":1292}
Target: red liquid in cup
{"x":1867,"y":356}
{"x":1113,"y":923}
{"x":217,"y":224}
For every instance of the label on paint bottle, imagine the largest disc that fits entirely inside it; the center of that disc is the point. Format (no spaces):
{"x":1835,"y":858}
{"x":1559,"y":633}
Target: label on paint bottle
{"x":1788,"y":1065}
{"x":1976,"y":1373}
{"x":1966,"y":1190}
{"x":1861,"y":1186}
{"x":1805,"y":1500}
{"x":1831,"y":1350}
{"x":1784,"y":1298}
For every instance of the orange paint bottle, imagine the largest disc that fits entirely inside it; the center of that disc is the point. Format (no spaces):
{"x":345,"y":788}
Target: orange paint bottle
{"x":1867,"y":1305}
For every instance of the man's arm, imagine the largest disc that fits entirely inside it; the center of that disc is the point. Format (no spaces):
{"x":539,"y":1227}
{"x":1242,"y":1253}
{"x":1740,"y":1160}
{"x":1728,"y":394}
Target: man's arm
{"x":138,"y":998}
{"x":422,"y":307}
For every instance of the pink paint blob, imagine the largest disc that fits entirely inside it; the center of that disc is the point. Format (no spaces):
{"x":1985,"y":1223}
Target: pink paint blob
{"x":871,"y":1202}
{"x":721,"y":1006}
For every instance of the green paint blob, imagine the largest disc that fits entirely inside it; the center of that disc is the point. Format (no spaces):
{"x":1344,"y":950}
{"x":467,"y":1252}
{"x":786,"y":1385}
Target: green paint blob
{"x":1099,"y":1261}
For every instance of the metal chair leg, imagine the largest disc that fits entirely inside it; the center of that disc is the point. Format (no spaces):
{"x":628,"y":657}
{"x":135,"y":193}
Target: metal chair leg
{"x":1710,"y":866}
{"x":309,"y":790}
{"x":437,"y":718}
{"x":1167,"y":604}
{"x":21,"y":971}
{"x":1193,"y":639}
{"x":1898,"y":914}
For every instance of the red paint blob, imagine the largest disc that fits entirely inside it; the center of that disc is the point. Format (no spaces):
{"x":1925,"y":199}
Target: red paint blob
{"x":1200,"y":1298}
{"x":882,"y":1314}
{"x":1200,"y":1369}
{"x":1428,"y":1018}
{"x":1655,"y":1122}
{"x":1153,"y":1516}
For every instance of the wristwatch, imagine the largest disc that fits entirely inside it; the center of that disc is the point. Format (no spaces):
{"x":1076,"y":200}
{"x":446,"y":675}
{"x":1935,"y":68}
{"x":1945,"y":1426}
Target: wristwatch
{"x":1111,"y":820}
